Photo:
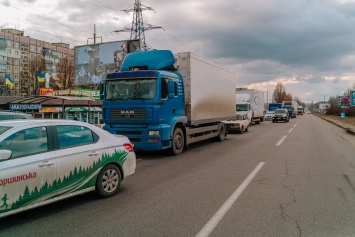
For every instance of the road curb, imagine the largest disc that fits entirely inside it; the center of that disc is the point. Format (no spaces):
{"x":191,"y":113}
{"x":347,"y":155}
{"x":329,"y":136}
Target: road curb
{"x":348,"y":130}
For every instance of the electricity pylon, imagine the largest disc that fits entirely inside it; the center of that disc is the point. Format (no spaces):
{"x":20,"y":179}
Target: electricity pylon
{"x":138,"y":27}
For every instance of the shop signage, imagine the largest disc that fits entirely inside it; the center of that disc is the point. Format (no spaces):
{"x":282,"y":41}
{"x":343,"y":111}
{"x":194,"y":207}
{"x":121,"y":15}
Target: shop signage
{"x":50,"y":109}
{"x":25,"y":106}
{"x":45,"y":91}
{"x":70,"y":92}
{"x":82,"y":109}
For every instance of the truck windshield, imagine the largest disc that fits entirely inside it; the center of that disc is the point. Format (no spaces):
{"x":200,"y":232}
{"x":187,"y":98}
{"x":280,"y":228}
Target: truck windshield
{"x":242,"y":107}
{"x":132,"y":89}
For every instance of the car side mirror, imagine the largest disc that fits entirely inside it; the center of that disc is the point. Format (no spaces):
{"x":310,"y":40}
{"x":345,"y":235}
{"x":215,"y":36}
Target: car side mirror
{"x":5,"y":154}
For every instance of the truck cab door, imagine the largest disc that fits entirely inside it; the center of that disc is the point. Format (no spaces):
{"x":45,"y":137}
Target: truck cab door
{"x":171,"y":100}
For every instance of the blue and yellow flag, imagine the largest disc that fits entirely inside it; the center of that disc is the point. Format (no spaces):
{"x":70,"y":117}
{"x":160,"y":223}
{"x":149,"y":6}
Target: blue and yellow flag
{"x":8,"y":81}
{"x":40,"y":77}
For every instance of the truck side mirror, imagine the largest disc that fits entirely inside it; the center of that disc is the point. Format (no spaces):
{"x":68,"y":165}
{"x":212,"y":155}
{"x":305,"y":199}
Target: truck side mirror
{"x":171,"y":89}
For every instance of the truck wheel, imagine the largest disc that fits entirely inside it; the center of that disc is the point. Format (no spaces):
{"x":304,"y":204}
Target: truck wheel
{"x":257,"y":121}
{"x":178,"y":142}
{"x":221,"y":134}
{"x":108,"y":181}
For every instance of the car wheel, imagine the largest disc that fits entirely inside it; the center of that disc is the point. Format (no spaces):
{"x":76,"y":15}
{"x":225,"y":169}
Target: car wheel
{"x":246,"y":129}
{"x":108,"y":182}
{"x":241,"y":129}
{"x":273,"y":121}
{"x":178,"y":142}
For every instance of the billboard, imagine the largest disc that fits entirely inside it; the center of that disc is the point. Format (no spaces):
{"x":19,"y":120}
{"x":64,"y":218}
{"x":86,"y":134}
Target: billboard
{"x":92,"y":62}
{"x":352,"y":98}
{"x":343,"y":101}
{"x":324,"y":106}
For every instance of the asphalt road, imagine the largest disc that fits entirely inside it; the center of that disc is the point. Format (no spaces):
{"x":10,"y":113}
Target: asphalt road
{"x":278,"y":179}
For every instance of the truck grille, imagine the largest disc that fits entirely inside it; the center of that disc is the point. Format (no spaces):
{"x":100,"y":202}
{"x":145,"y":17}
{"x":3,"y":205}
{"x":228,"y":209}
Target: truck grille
{"x":127,"y":114}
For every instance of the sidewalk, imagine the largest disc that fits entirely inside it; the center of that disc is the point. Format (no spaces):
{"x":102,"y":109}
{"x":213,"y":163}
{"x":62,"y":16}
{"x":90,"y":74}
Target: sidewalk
{"x":348,"y":127}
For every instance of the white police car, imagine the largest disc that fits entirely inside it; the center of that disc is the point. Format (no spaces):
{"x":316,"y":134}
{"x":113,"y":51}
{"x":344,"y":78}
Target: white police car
{"x":43,"y":161}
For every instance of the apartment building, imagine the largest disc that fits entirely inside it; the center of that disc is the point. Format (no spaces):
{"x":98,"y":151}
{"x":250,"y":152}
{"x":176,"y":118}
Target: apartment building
{"x":16,"y":52}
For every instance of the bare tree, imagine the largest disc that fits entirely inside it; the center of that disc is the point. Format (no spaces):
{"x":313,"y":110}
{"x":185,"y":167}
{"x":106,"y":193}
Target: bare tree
{"x":37,"y":64}
{"x":29,"y":80}
{"x":65,"y":75}
{"x":279,"y":93}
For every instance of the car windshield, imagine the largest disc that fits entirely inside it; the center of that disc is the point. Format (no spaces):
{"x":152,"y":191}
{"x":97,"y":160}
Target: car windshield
{"x":239,"y":117}
{"x":270,"y":112}
{"x":242,"y":107}
{"x":4,"y":129}
{"x":280,"y":111}
{"x":138,"y":89}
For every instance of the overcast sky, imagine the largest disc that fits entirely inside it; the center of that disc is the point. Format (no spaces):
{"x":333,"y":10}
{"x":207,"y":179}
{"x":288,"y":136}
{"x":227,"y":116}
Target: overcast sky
{"x":308,"y":45}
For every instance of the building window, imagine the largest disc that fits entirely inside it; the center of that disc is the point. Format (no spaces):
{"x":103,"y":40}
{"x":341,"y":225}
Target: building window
{"x":8,"y":51}
{"x":16,"y":77}
{"x":16,"y":84}
{"x":8,"y":43}
{"x":17,"y":52}
{"x":16,"y":69}
{"x":16,"y":45}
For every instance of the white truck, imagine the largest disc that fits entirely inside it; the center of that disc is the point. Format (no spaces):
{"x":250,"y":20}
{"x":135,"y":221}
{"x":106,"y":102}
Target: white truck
{"x":250,"y":102}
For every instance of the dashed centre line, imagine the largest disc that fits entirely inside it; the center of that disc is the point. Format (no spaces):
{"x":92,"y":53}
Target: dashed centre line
{"x":282,"y":139}
{"x":217,"y":217}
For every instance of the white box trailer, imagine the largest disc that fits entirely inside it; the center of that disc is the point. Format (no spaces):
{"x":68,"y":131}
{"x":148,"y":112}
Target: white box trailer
{"x":209,"y":89}
{"x":250,"y":102}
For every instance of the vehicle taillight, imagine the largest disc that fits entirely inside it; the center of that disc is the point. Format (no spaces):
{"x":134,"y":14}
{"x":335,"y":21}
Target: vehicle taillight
{"x":129,"y":146}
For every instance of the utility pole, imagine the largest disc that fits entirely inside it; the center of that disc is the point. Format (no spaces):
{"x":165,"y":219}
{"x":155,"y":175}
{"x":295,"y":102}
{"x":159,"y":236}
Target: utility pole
{"x":138,"y":27}
{"x":94,"y":38}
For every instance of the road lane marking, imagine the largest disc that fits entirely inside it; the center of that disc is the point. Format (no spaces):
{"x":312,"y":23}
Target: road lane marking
{"x":290,"y":130}
{"x":217,"y":217}
{"x":282,"y":139}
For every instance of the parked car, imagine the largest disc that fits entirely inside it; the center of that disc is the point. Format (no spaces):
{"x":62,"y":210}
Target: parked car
{"x":269,"y":115}
{"x":241,"y":124}
{"x":6,"y":115}
{"x":43,"y":161}
{"x":281,"y":115}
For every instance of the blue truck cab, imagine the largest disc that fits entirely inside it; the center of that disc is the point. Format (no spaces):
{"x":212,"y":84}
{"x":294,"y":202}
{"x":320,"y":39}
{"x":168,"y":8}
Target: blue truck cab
{"x":144,"y":104}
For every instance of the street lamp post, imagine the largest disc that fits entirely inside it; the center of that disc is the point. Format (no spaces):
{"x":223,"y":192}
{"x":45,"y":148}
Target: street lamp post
{"x":324,"y":95}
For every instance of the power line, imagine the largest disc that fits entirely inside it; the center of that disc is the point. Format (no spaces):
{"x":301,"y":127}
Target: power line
{"x":138,"y":27}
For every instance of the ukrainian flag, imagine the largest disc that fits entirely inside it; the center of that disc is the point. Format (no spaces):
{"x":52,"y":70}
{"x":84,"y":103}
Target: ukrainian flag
{"x":9,"y":81}
{"x":40,"y":77}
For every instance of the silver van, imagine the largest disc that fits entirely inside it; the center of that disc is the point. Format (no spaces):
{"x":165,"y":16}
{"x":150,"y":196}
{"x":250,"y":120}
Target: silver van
{"x":5,"y":115}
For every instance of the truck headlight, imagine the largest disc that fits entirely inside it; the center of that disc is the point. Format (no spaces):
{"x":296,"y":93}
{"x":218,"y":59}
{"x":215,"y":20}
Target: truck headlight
{"x":154,"y":133}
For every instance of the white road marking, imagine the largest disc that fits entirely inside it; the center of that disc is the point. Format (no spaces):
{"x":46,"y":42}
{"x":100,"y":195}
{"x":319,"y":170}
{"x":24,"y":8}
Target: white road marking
{"x":217,"y":217}
{"x":290,"y":130}
{"x":282,"y":139}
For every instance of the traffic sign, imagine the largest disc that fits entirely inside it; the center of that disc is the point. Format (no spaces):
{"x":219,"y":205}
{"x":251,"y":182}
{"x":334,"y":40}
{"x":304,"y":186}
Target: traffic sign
{"x":342,"y":115}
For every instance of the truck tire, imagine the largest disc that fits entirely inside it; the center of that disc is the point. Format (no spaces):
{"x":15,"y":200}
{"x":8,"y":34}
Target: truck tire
{"x":257,"y":121}
{"x":178,"y":142}
{"x":221,"y":133}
